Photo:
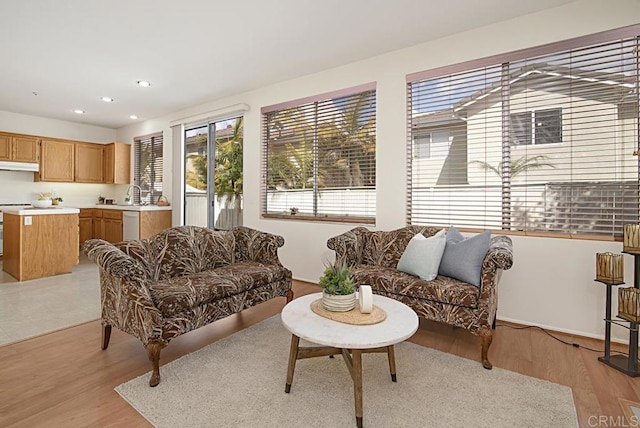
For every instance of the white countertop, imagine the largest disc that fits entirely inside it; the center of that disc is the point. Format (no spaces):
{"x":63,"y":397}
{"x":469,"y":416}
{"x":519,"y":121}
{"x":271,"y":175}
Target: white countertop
{"x":39,"y":211}
{"x":129,"y":207}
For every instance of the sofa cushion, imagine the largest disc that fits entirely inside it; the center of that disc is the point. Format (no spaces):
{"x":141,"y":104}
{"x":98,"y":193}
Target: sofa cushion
{"x":422,"y":255}
{"x":257,"y":274}
{"x":442,"y":289}
{"x":176,"y":295}
{"x":463,"y":258}
{"x":189,"y":250}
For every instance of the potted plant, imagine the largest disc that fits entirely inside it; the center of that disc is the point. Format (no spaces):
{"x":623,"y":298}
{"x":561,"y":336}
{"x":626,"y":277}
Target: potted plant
{"x":57,"y":200}
{"x":338,"y":289}
{"x":44,"y":200}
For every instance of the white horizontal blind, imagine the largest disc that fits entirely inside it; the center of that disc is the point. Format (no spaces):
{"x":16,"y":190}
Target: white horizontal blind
{"x":539,"y":144}
{"x":148,"y":168}
{"x":319,"y":158}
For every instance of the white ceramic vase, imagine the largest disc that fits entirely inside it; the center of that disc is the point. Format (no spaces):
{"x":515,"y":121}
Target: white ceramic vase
{"x":338,"y":303}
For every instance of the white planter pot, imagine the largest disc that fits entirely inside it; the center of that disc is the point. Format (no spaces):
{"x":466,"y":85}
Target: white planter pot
{"x":338,"y":303}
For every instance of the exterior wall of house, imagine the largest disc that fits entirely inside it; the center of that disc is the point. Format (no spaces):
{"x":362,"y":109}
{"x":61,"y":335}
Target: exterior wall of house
{"x":562,"y":295}
{"x":581,"y":146}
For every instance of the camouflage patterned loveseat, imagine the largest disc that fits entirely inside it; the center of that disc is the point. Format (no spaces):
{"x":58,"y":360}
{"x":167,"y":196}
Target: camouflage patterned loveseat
{"x":184,"y":278}
{"x":375,"y":256}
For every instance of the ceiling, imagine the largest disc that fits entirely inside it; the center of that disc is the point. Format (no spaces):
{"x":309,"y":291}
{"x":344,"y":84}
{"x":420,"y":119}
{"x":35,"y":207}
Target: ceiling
{"x":58,"y":56}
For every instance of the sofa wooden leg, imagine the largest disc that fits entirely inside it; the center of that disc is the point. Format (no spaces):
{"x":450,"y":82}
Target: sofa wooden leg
{"x":153,"y":352}
{"x":289,"y":296}
{"x":106,"y":336}
{"x":487,"y":337}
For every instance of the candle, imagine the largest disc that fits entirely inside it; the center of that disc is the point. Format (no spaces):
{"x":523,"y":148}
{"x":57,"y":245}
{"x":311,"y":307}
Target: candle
{"x":609,"y":268}
{"x":631,"y":240}
{"x":629,"y":304}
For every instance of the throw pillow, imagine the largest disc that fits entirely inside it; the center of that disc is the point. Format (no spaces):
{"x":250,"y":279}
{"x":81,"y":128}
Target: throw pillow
{"x":422,"y":255}
{"x":463,"y":258}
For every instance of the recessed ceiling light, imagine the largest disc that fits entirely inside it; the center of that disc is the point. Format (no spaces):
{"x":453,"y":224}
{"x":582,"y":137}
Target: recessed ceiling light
{"x":144,"y":83}
{"x":78,"y":111}
{"x":107,"y":99}
{"x":133,"y":116}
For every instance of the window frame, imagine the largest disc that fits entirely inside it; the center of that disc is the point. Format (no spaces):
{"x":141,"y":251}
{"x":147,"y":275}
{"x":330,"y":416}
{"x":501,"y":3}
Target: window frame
{"x":532,"y":138}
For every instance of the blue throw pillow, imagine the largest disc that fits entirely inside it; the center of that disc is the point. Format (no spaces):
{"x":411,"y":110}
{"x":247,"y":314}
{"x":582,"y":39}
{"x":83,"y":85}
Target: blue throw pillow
{"x":422,"y":255}
{"x":463,"y":258}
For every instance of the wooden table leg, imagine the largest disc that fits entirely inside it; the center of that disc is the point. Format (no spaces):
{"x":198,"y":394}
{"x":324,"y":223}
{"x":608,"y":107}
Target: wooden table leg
{"x":357,"y":384}
{"x":293,"y":356}
{"x":392,"y":362}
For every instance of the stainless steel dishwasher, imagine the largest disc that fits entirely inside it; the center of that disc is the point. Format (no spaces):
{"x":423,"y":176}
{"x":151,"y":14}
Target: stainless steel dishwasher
{"x":130,"y":225}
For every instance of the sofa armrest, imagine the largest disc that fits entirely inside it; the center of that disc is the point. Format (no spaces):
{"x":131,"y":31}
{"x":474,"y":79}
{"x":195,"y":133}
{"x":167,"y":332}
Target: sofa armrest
{"x":126,"y":301}
{"x":112,"y":260}
{"x":500,"y":253}
{"x":254,"y":245}
{"x":348,"y":246}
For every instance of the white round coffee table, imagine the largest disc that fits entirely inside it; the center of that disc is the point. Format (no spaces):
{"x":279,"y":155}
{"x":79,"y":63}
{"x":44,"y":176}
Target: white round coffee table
{"x":350,"y":341}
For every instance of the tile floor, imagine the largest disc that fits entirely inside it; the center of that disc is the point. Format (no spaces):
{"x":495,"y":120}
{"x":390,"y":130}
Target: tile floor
{"x":38,"y":306}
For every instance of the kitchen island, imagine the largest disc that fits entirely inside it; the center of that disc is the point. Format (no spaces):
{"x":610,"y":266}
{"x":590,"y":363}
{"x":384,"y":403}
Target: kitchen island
{"x":40,"y":242}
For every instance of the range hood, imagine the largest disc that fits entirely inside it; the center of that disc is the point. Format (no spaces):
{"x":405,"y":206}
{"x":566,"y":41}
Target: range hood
{"x":19,"y":166}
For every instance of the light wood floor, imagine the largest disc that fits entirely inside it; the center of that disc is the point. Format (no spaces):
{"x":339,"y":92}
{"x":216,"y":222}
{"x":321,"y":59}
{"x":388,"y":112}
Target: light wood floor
{"x":63,"y":379}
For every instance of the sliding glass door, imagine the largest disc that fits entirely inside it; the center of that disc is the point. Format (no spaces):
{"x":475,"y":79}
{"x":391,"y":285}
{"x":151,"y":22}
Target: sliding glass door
{"x":213,"y":184}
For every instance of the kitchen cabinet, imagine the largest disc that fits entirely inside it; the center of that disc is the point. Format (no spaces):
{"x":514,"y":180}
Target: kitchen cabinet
{"x":98,"y":226}
{"x":85,"y":225}
{"x":152,"y":222}
{"x":18,"y":148}
{"x":56,"y":161}
{"x":112,"y":225}
{"x":117,"y":163}
{"x":88,"y":163}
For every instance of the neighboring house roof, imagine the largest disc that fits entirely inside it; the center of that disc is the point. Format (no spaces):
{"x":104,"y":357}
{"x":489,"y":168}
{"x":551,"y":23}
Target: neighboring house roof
{"x":614,"y":88}
{"x":605,"y":87}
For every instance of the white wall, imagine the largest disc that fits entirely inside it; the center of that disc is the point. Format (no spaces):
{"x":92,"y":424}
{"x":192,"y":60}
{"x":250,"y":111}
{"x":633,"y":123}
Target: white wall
{"x":551,"y":282}
{"x":19,"y":187}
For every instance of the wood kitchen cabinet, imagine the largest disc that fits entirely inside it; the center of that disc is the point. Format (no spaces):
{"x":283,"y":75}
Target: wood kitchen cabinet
{"x":56,"y":161}
{"x":98,"y":226}
{"x":89,"y":163}
{"x":117,"y":163}
{"x":85,"y":225}
{"x":19,"y":148}
{"x":112,"y":225}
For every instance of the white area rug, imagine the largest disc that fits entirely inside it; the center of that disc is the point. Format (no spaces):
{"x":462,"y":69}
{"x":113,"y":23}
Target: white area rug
{"x":239,"y":382}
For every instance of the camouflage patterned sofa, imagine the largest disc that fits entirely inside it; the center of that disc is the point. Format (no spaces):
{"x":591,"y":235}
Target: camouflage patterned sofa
{"x":375,"y":256}
{"x":184,"y":278}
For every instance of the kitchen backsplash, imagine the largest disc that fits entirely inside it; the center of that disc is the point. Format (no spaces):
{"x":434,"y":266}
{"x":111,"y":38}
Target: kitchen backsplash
{"x":19,"y":187}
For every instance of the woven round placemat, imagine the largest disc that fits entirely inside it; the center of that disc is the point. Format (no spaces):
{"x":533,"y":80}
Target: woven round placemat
{"x":354,"y":316}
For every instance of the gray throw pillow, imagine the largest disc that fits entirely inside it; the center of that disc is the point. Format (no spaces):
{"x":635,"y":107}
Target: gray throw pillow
{"x":463,"y":258}
{"x":422,"y":256}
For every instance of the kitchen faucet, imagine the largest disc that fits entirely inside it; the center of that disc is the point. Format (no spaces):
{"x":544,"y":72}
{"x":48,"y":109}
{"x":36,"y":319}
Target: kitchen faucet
{"x":130,"y":196}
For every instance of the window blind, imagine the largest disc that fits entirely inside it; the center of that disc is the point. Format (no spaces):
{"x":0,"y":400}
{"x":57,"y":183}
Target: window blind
{"x":319,"y":157}
{"x":537,"y":144}
{"x":148,"y":168}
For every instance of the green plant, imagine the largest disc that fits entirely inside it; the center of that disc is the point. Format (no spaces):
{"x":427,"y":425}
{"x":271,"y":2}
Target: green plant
{"x":337,"y":279}
{"x":517,"y":166}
